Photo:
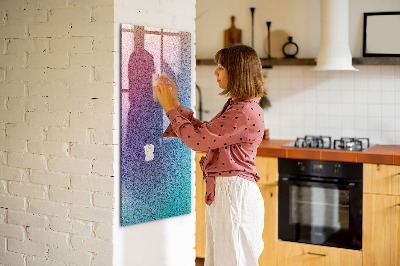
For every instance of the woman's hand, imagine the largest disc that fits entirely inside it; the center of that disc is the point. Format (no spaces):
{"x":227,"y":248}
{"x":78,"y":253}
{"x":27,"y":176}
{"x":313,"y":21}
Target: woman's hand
{"x":164,"y":94}
{"x":174,"y":90}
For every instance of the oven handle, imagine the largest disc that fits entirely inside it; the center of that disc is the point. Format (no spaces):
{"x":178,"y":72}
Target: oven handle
{"x":297,"y":181}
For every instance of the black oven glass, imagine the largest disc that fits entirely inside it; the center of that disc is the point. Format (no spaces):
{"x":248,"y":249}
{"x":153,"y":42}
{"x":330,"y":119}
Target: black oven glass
{"x":319,"y":203}
{"x":320,"y":207}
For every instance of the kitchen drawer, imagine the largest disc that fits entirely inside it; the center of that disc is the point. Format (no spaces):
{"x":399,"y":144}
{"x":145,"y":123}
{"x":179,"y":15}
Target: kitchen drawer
{"x":267,"y":168}
{"x":381,"y":179}
{"x":298,"y":254}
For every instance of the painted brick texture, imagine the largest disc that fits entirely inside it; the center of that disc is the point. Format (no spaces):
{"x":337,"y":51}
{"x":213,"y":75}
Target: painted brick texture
{"x":56,"y":127}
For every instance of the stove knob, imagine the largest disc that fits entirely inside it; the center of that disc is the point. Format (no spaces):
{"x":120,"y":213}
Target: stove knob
{"x":336,"y":169}
{"x":302,"y":167}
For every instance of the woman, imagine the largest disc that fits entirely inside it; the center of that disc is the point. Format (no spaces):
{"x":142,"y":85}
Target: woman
{"x":235,"y":207}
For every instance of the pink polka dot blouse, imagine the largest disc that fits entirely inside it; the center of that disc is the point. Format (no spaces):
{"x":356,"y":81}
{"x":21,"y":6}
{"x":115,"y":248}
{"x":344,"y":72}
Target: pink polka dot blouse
{"x":231,"y":139}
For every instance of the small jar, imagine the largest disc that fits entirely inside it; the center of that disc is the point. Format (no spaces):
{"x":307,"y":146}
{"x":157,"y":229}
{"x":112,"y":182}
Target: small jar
{"x":266,"y":134}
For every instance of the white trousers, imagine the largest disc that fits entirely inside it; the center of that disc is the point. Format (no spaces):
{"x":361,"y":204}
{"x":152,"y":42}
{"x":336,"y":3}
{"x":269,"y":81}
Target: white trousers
{"x":234,"y":223}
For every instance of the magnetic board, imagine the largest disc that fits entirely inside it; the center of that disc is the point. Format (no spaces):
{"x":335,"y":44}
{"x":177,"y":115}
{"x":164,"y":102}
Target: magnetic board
{"x":155,"y":171}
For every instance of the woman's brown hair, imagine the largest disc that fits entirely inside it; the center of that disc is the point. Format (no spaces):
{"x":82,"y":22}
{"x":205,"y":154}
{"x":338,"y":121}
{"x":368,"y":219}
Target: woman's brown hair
{"x":245,"y":78}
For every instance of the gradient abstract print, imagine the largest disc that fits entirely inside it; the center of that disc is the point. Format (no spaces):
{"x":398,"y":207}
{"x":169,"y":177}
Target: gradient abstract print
{"x":155,"y":171}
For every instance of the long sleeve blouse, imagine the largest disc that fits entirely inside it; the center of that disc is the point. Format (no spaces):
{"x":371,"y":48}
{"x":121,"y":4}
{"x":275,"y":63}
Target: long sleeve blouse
{"x":231,"y":139}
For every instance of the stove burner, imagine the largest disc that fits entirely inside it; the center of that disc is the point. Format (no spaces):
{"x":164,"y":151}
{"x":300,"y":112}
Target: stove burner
{"x":351,"y":144}
{"x":324,"y":142}
{"x":308,"y":141}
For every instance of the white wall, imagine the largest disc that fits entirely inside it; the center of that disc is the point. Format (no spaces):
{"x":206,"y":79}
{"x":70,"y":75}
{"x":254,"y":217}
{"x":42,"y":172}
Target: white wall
{"x":169,"y":241}
{"x":299,"y":18}
{"x":56,"y":119}
{"x":338,"y":104}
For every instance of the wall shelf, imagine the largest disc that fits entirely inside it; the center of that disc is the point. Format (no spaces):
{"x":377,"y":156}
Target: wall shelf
{"x":376,"y":61}
{"x":312,"y":61}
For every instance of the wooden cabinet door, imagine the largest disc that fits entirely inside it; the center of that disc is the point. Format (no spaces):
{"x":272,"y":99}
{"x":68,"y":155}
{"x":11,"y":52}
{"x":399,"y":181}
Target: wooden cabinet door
{"x":270,"y":233}
{"x":267,"y":168}
{"x":381,"y":230}
{"x":200,"y":209}
{"x":297,"y":254}
{"x":381,"y":179}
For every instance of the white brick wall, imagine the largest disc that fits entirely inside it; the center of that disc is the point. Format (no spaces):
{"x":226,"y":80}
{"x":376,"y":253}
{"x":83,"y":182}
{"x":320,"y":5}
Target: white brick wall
{"x":56,"y":126}
{"x":27,"y":247}
{"x":20,"y":46}
{"x":71,"y":226}
{"x":28,"y":219}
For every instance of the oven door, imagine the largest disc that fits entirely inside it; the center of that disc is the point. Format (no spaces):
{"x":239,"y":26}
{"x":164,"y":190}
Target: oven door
{"x":321,"y":212}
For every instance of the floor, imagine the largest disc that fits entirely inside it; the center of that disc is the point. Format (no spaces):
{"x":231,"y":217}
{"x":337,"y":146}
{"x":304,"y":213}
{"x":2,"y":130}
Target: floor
{"x":199,"y":262}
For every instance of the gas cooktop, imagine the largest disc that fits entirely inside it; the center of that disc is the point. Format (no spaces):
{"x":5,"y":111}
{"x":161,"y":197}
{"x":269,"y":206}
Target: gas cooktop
{"x":325,"y":142}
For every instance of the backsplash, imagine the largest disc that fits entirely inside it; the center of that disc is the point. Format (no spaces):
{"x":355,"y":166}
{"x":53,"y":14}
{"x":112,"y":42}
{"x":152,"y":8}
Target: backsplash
{"x":332,"y":103}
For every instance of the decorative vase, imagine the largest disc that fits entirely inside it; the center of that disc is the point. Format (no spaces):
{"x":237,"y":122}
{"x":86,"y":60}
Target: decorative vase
{"x":290,"y":49}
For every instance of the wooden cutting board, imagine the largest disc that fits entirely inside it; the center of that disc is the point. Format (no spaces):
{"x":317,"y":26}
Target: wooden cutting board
{"x":232,"y":35}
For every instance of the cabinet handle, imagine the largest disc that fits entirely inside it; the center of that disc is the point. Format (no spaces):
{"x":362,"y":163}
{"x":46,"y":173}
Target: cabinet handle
{"x":318,"y":254}
{"x":398,"y":204}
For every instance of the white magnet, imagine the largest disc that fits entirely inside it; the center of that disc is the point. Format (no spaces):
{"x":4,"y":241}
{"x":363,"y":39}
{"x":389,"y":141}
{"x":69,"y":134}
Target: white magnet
{"x":149,"y":152}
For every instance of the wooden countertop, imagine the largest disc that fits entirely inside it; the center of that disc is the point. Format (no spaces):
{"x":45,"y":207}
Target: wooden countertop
{"x":379,"y":154}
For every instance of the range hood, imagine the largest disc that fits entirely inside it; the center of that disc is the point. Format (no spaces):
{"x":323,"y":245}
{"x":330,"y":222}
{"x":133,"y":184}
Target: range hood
{"x":334,"y":51}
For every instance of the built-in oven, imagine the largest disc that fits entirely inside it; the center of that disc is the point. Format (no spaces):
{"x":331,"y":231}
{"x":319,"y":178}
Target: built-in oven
{"x":320,"y":202}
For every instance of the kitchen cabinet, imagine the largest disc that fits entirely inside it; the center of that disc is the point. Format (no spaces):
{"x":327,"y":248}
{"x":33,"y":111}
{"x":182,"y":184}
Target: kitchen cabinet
{"x":270,"y":233}
{"x":381,"y":230}
{"x":381,"y":215}
{"x":267,"y":168}
{"x":381,"y":179}
{"x":381,"y":221}
{"x":291,"y":253}
{"x":200,"y":209}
